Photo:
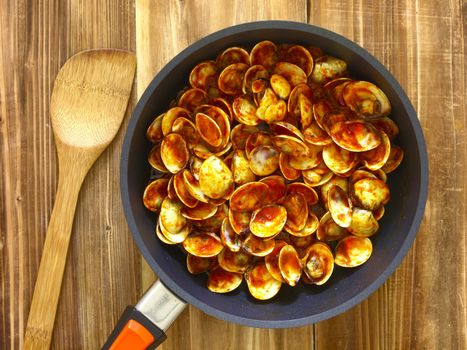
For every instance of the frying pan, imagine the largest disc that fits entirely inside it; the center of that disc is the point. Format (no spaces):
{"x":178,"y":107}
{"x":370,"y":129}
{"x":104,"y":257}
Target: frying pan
{"x":143,"y":326}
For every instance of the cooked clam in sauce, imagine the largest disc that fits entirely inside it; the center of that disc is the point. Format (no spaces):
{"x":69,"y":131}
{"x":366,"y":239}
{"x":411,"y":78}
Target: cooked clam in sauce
{"x":271,"y":166}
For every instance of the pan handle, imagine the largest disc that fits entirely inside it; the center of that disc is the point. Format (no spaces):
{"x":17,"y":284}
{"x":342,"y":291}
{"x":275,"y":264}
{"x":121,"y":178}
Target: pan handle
{"x":143,"y":327}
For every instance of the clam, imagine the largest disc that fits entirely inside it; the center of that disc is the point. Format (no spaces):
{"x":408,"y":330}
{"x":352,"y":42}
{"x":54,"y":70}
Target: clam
{"x":215,"y":178}
{"x":201,"y":211}
{"x":260,"y":282}
{"x":170,"y":216}
{"x":182,"y":192}
{"x":264,"y":53}
{"x":208,"y":129}
{"x":377,"y":157}
{"x":328,"y":230}
{"x":287,"y":170}
{"x":203,"y":244}
{"x":289,"y":265}
{"x":197,"y":265}
{"x":301,"y":57}
{"x":174,"y":152}
{"x":249,"y":197}
{"x":154,"y":131}
{"x":245,"y":111}
{"x":272,"y":261}
{"x":280,"y":85}
{"x":264,"y":160}
{"x":363,"y":223}
{"x":155,"y":193}
{"x":229,"y":237}
{"x":394,"y":160}
{"x":338,"y":159}
{"x":355,"y":135}
{"x":230,"y":80}
{"x":171,"y":116}
{"x":233,"y":55}
{"x":257,"y":246}
{"x":240,"y":221}
{"x":268,"y":221}
{"x":293,"y":73}
{"x":221,"y":281}
{"x":231,"y":261}
{"x":352,"y":251}
{"x":327,"y":68}
{"x":366,"y":99}
{"x":241,"y":171}
{"x":254,"y":75}
{"x":276,"y":188}
{"x":204,"y":75}
{"x":319,"y":263}
{"x":240,"y":134}
{"x":192,"y":98}
{"x":293,"y":104}
{"x":371,"y":193}
{"x":297,"y":211}
{"x":339,"y":206}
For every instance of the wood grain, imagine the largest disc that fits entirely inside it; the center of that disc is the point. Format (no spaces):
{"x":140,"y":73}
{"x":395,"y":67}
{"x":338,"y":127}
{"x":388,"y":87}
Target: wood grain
{"x":422,"y":306}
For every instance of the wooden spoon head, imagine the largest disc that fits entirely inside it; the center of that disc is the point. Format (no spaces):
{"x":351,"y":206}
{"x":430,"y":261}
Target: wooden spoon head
{"x":90,"y":96}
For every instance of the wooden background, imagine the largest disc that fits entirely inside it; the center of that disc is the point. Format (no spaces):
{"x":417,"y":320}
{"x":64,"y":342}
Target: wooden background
{"x":422,"y":306}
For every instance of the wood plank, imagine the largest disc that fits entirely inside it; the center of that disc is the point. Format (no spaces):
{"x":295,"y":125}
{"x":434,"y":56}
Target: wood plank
{"x":422,"y":306}
{"x":37,"y":37}
{"x":192,"y":329}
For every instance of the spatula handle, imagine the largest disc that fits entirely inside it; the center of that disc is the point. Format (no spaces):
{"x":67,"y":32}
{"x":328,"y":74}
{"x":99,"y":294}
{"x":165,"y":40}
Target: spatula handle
{"x":41,"y":319}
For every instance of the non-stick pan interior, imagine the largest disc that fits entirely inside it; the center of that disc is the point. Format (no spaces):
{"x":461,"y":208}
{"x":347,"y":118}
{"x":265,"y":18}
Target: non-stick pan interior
{"x":303,"y":304}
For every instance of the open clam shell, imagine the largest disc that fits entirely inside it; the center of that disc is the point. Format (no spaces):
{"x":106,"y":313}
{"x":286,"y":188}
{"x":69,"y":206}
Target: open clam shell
{"x":355,"y":135}
{"x":230,"y":80}
{"x":301,"y":57}
{"x":201,"y":211}
{"x":338,"y":159}
{"x":339,"y":206}
{"x":255,"y":73}
{"x":221,"y":281}
{"x":293,"y":104}
{"x":394,"y":160}
{"x":154,"y":193}
{"x":174,"y":152}
{"x":366,"y":99}
{"x":154,"y":131}
{"x":155,"y":159}
{"x":182,"y":192}
{"x":319,"y":263}
{"x":293,"y":73}
{"x":232,"y":55}
{"x":352,"y":251}
{"x":307,"y":191}
{"x":257,"y":246}
{"x":371,"y":193}
{"x":264,"y":160}
{"x":287,"y":170}
{"x":328,"y":230}
{"x":377,"y":157}
{"x":272,"y":261}
{"x":261,"y":284}
{"x":240,"y":221}
{"x":297,"y":211}
{"x":215,"y":178}
{"x":268,"y":221}
{"x":276,"y":188}
{"x":192,"y":98}
{"x":245,"y":111}
{"x":229,"y":237}
{"x":170,"y":216}
{"x":317,"y":176}
{"x":171,"y":116}
{"x":197,"y":265}
{"x":363,"y":223}
{"x":240,"y":134}
{"x":264,"y":53}
{"x":310,"y":227}
{"x":327,"y":68}
{"x":187,"y":130}
{"x":234,"y":261}
{"x":203,"y":244}
{"x":204,"y":75}
{"x":208,"y":129}
{"x":249,"y":197}
{"x":290,"y":265}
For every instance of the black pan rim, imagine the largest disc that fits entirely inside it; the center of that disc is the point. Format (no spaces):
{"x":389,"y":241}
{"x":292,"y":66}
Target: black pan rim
{"x":365,"y":293}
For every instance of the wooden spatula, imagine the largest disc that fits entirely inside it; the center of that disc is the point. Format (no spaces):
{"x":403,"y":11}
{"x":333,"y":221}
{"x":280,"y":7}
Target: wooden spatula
{"x":89,"y":100}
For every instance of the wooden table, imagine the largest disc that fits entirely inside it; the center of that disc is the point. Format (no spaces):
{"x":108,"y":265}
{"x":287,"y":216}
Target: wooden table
{"x":422,"y":306}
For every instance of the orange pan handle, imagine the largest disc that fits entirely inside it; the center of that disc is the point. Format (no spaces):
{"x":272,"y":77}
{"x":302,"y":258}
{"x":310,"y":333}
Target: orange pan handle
{"x":143,"y":327}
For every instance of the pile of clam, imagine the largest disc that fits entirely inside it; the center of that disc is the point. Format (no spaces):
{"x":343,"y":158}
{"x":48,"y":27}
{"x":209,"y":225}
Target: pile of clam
{"x":272,"y":167}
